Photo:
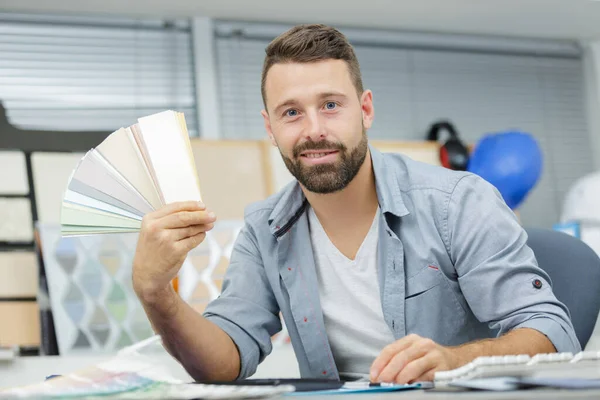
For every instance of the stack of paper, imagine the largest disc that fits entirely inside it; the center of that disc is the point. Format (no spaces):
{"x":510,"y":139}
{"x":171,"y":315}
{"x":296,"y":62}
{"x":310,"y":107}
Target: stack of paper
{"x":134,"y":171}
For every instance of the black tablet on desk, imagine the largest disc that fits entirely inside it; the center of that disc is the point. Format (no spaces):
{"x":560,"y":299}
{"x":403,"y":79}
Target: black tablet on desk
{"x":301,"y":385}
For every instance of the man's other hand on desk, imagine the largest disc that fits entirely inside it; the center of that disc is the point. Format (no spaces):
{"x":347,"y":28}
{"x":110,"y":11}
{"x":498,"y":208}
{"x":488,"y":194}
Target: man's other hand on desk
{"x":412,"y":359}
{"x":416,"y":359}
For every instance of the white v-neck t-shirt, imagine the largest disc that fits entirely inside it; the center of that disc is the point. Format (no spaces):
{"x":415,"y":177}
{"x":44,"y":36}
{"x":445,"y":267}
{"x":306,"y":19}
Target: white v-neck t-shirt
{"x":350,"y":299}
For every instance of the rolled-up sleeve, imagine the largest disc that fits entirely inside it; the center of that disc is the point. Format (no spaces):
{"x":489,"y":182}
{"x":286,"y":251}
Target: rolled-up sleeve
{"x":246,"y":309}
{"x":497,"y":271}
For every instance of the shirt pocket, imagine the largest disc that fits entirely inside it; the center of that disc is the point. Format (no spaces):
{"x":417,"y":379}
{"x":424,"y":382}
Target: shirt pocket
{"x":427,"y":279}
{"x":431,"y":309}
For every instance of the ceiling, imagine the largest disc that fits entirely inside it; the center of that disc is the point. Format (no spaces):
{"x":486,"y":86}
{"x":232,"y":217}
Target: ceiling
{"x":562,"y":19}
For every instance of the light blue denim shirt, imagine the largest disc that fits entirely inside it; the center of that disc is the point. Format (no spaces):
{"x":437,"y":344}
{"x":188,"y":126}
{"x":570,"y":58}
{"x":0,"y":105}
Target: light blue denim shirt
{"x":453,"y":266}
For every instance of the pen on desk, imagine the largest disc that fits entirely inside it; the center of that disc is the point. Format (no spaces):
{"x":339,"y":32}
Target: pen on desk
{"x":381,"y":384}
{"x":366,"y":384}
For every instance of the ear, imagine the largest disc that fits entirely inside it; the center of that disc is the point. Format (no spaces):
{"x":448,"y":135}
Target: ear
{"x":267,"y":122}
{"x":366,"y":105}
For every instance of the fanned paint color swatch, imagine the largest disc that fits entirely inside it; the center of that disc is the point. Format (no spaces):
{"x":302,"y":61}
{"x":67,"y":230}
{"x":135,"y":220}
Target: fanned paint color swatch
{"x":134,"y":171}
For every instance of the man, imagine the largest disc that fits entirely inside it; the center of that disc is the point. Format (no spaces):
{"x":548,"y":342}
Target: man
{"x":381,"y":266}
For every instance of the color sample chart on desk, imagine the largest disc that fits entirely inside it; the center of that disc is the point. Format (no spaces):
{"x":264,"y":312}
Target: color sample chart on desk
{"x":133,"y":376}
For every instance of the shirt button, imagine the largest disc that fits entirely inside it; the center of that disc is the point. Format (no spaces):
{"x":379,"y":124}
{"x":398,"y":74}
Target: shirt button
{"x":537,"y":283}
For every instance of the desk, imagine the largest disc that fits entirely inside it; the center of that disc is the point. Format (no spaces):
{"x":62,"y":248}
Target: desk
{"x":28,"y":370}
{"x":433,"y":395}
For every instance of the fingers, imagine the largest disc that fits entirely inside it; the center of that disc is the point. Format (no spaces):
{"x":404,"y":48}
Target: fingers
{"x":184,"y":233}
{"x":188,"y":244}
{"x":426,"y":377}
{"x":417,"y":370}
{"x":178,"y":207}
{"x":184,"y":219}
{"x":388,"y":353}
{"x":400,"y":361}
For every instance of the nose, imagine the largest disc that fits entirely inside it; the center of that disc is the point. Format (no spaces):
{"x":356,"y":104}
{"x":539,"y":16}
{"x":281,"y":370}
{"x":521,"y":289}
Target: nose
{"x":315,"y":127}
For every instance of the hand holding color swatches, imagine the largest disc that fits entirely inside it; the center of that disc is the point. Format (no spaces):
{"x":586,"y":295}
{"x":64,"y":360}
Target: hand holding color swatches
{"x":134,"y":171}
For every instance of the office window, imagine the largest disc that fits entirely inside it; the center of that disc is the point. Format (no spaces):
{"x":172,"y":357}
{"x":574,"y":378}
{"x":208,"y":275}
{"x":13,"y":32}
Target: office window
{"x":480,"y":91}
{"x":92,"y":74}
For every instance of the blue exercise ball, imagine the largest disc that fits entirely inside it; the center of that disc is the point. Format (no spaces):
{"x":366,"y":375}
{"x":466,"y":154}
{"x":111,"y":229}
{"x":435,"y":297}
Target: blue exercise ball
{"x":511,"y":161}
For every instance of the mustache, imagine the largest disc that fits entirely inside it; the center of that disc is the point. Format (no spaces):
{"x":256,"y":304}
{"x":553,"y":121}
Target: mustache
{"x":321,"y":145}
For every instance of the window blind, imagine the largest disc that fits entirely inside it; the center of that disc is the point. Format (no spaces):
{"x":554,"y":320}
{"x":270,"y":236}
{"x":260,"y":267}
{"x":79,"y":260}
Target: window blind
{"x":76,"y":74}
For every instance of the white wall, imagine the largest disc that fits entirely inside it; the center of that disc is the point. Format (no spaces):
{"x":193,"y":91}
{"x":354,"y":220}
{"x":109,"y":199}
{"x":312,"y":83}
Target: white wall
{"x":592,"y":80}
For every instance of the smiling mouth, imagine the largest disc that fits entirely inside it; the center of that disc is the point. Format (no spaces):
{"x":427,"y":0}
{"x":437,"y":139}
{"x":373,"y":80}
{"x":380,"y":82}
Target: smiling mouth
{"x":319,"y":154}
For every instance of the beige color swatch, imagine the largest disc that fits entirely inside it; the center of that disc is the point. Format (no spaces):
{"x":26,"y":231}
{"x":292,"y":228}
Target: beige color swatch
{"x":280,"y":176}
{"x":427,"y":152}
{"x":121,"y":151}
{"x":24,"y":327}
{"x":18,"y":274}
{"x":233,"y":174}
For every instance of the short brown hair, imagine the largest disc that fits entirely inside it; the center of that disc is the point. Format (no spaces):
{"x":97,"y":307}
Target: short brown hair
{"x":311,"y":43}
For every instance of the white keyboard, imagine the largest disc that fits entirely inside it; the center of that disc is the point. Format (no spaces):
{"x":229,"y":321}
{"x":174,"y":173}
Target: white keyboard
{"x":563,"y":365}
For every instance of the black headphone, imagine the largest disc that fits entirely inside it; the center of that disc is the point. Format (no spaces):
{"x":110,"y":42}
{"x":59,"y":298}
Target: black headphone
{"x":453,"y":153}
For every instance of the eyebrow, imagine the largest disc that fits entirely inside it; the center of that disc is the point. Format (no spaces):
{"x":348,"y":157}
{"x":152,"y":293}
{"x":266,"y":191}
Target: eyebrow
{"x":291,"y":102}
{"x":283,"y":105}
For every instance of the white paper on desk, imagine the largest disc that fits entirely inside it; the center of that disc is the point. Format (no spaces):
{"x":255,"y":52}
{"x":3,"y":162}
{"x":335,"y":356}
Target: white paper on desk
{"x":164,"y":141}
{"x":497,"y":384}
{"x":363,"y":387}
{"x":562,"y":383}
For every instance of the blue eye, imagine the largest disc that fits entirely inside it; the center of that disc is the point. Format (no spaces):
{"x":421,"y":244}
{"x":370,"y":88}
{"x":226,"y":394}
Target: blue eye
{"x":291,"y":113}
{"x":330,"y":105}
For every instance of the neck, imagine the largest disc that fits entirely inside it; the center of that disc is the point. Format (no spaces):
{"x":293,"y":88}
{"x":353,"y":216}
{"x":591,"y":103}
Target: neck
{"x":355,"y":204}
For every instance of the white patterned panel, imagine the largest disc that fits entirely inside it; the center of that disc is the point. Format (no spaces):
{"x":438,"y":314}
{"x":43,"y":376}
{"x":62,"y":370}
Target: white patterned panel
{"x":15,"y":220}
{"x":13,"y":173}
{"x":202,"y":273}
{"x":89,"y":283}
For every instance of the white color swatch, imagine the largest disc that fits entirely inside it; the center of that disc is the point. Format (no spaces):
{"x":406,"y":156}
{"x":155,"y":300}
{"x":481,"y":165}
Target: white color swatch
{"x":176,"y":176}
